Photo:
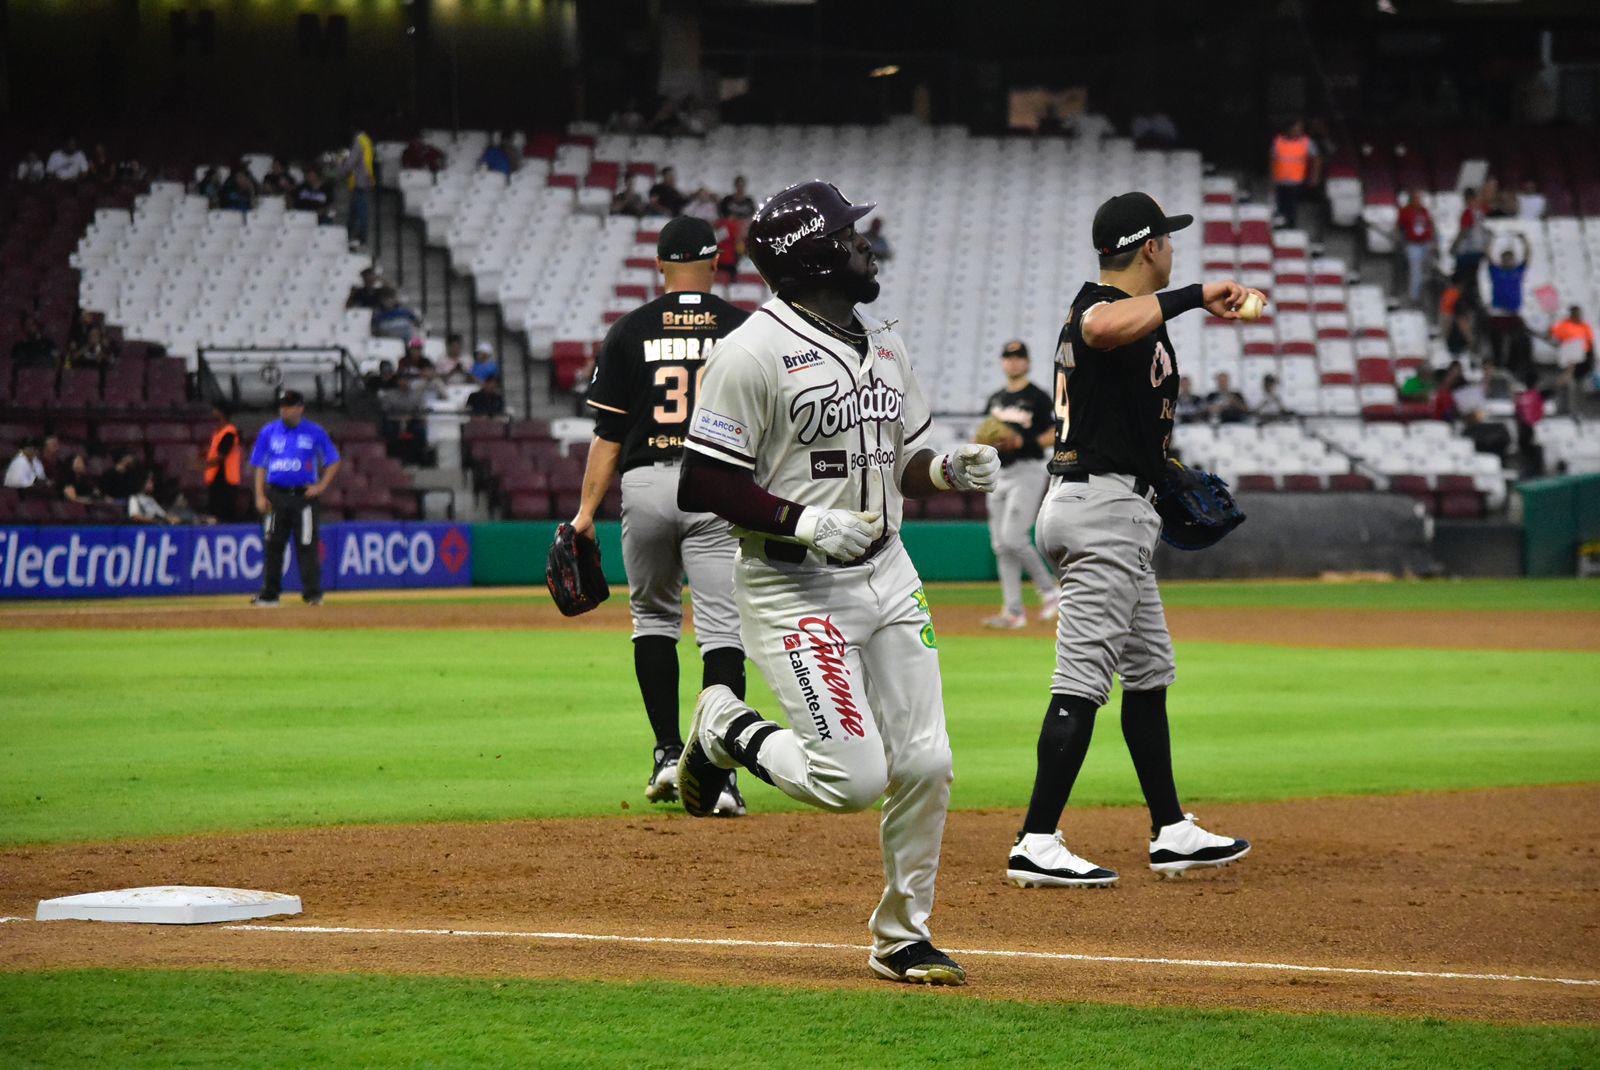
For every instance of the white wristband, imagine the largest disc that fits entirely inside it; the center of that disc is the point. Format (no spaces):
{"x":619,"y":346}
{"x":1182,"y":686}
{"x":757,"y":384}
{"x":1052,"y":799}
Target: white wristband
{"x":936,"y":473}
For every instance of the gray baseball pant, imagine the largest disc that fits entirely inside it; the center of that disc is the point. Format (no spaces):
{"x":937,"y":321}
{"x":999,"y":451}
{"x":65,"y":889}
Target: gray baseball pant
{"x":1012,"y":509}
{"x":661,"y":545}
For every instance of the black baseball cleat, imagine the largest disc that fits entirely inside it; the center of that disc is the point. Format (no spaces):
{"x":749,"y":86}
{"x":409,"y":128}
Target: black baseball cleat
{"x":919,"y":964}
{"x":731,"y":804}
{"x":663,"y":783}
{"x":312,"y":600}
{"x":701,"y":781}
{"x":262,"y":602}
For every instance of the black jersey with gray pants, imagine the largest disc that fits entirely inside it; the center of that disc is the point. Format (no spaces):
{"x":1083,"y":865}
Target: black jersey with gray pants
{"x":1101,"y":534}
{"x":662,"y":546}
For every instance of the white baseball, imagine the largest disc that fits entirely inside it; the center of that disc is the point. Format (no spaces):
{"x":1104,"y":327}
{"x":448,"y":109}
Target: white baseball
{"x":1252,"y":307}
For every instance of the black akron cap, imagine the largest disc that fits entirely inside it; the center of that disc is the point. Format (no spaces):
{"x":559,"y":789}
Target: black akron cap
{"x":685,"y":239}
{"x":290,"y":397}
{"x":1014,"y":348}
{"x":1126,"y":220}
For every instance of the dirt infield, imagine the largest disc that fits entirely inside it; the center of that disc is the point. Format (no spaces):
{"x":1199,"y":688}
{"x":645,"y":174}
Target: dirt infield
{"x":1501,"y":882}
{"x":1513,"y":630}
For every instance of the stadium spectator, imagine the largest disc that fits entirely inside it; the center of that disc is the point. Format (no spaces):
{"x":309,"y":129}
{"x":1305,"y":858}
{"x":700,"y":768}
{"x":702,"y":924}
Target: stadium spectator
{"x":1272,"y":405}
{"x":67,"y":164}
{"x":703,"y":205}
{"x":1418,"y":386}
{"x":629,"y":198}
{"x":455,"y":366}
{"x":627,"y":119}
{"x":1294,"y":166}
{"x":387,"y":377}
{"x":26,"y":470}
{"x":394,"y":320}
{"x":30,"y":169}
{"x":730,"y":244}
{"x":414,"y":360}
{"x":1225,"y":404}
{"x":210,"y":185}
{"x":1498,"y":202}
{"x":1574,"y":341}
{"x":55,"y":465}
{"x":277,"y":182}
{"x":1191,"y":406}
{"x":1154,"y":131}
{"x":369,"y":293}
{"x":77,"y":484}
{"x":1531,"y":203}
{"x":1461,"y":337}
{"x":238,"y":193}
{"x":361,"y":179}
{"x":124,"y":478}
{"x":130,"y":170}
{"x":314,"y":195}
{"x":420,"y":154}
{"x":101,"y":169}
{"x":499,"y":156}
{"x":1416,"y":231}
{"x":143,"y":507}
{"x":879,"y":243}
{"x":1050,"y":124}
{"x":665,"y":197}
{"x":94,"y":351}
{"x":1488,"y":436}
{"x":487,"y":400}
{"x":738,"y":204}
{"x":484,"y":366}
{"x":33,"y":349}
{"x":1444,"y":395}
{"x":1472,"y":242}
{"x":223,"y":474}
{"x":1530,"y":410}
{"x":1505,"y":301}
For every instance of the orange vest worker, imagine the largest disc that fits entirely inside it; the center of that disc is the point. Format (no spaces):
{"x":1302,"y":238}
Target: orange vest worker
{"x":224,"y":464}
{"x":1290,"y":157}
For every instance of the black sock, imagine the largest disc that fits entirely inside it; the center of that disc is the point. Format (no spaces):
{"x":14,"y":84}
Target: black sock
{"x":655,"y":662}
{"x":1063,"y":741}
{"x":724,"y":665}
{"x":1144,"y":726}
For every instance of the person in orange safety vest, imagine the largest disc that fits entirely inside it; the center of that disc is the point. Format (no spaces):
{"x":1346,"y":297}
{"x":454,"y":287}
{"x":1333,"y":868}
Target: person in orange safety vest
{"x":1294,"y":166}
{"x":223,"y":466}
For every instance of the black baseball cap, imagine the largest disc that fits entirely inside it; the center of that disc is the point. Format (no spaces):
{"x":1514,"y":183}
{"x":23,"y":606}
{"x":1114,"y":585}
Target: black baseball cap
{"x":1014,"y":348}
{"x":1130,"y":218}
{"x":290,"y":397}
{"x":686,"y":239}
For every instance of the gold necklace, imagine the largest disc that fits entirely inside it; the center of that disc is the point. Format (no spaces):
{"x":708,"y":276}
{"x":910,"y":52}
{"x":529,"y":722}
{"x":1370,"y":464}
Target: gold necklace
{"x":842,"y":333}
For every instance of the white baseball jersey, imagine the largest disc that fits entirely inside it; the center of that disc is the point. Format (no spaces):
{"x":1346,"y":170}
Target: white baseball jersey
{"x":816,"y":423}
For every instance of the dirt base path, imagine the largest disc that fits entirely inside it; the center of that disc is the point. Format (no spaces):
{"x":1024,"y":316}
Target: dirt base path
{"x":1518,"y":630}
{"x":1503,"y":882}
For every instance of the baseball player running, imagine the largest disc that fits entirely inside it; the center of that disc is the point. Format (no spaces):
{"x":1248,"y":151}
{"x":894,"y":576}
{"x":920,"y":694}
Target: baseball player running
{"x":1023,"y":419}
{"x":643,"y":390}
{"x":1116,"y":386}
{"x":808,"y":438}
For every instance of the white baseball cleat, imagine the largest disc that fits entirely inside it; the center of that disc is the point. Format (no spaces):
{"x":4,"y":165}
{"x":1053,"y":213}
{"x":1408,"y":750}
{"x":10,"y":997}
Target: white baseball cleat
{"x":663,"y":783}
{"x":1184,"y":845}
{"x":1007,"y":621}
{"x":1050,"y":610}
{"x":1039,"y":860}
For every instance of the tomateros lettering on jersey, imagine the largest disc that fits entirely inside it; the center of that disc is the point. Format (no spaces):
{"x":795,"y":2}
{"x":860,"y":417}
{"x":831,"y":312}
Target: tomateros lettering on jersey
{"x":828,"y":646}
{"x":826,"y":410}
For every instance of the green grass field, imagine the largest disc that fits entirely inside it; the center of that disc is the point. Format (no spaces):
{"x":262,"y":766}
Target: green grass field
{"x":112,"y":734}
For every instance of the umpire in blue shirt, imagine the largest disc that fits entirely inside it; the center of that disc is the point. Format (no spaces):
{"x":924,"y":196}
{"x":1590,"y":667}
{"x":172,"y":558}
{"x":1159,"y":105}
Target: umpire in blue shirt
{"x":295,"y":460}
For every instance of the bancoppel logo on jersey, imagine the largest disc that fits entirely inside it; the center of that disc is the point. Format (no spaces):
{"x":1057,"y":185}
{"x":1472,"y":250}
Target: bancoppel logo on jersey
{"x":829,"y":464}
{"x":720,"y":429}
{"x":821,"y":411}
{"x":797,"y":362}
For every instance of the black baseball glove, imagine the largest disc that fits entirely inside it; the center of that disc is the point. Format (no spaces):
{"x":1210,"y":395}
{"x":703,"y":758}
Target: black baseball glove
{"x":1196,"y":508}
{"x":572,"y":572}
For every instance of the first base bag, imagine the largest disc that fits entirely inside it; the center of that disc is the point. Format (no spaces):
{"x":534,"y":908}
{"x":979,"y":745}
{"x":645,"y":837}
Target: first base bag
{"x":572,"y":572}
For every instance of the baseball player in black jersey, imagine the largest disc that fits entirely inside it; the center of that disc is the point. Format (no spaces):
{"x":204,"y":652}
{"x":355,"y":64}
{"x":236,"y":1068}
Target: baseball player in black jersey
{"x":646,"y":380}
{"x":1024,"y":419}
{"x":1116,"y":388}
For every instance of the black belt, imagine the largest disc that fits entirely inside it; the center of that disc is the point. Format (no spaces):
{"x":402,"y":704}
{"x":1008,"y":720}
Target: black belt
{"x":286,"y":490}
{"x":1078,"y":475}
{"x":793,"y":553}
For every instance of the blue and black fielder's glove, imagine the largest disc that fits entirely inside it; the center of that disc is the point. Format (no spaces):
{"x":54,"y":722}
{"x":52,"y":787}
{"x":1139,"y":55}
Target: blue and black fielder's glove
{"x":1196,"y":508}
{"x":572,"y":572}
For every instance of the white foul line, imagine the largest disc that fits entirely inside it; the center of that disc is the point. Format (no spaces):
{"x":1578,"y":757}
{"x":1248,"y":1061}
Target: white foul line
{"x":1057,"y":956}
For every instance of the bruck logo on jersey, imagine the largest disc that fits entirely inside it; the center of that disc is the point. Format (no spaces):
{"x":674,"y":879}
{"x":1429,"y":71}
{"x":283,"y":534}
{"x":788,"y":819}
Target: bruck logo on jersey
{"x":829,"y":464}
{"x":688,"y":321}
{"x":828,"y":645}
{"x":821,"y":411}
{"x":794,"y":362}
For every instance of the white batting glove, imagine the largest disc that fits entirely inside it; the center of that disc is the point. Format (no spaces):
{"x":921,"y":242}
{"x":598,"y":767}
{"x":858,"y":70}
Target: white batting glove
{"x":839,"y":533}
{"x":969,"y":467}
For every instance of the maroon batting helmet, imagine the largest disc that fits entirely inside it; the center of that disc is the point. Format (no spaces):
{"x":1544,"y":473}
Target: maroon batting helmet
{"x":791,"y":241}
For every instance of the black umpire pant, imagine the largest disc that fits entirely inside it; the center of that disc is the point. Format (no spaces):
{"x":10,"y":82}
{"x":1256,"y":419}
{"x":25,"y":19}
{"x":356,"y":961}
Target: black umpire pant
{"x":293,"y":516}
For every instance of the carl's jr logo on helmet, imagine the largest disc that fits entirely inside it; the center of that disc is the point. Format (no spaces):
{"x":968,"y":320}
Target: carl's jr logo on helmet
{"x":1129,"y":239}
{"x":782,"y":242}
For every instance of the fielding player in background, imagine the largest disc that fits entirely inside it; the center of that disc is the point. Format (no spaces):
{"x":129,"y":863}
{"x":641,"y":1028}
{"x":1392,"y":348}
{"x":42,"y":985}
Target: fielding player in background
{"x":643,"y":391}
{"x":1116,"y":387}
{"x":295,"y":460}
{"x":809,"y":435}
{"x":1024,"y":419}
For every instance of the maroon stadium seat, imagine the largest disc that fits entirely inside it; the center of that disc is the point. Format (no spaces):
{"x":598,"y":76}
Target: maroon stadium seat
{"x":1257,"y":481}
{"x":1350,"y":481}
{"x":531,"y":506}
{"x":1461,"y":506}
{"x":79,"y":388}
{"x":1302,"y":482}
{"x":35,"y":387}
